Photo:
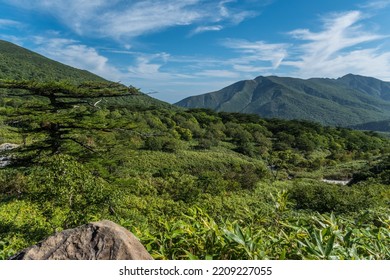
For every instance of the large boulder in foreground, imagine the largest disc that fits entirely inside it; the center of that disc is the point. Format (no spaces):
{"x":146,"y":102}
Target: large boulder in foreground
{"x":103,"y":240}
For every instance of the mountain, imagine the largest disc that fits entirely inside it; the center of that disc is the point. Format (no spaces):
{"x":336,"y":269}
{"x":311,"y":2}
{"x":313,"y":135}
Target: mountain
{"x":22,"y":64}
{"x":383,"y":126}
{"x":349,"y":100}
{"x":370,"y":86}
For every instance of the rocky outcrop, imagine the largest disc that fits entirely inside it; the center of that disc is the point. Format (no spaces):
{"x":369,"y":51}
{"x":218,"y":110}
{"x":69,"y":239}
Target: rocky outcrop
{"x":5,"y":158}
{"x":103,"y":240}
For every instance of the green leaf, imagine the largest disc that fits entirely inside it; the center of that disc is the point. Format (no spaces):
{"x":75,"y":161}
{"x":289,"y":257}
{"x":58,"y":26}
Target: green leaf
{"x":283,"y":255}
{"x":239,"y":233}
{"x":191,"y":256}
{"x":347,"y":238}
{"x":318,"y":239}
{"x":234,"y":237}
{"x":329,"y":245}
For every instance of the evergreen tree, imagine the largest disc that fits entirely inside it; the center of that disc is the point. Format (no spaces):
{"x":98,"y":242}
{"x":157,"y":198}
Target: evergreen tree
{"x":54,"y":113}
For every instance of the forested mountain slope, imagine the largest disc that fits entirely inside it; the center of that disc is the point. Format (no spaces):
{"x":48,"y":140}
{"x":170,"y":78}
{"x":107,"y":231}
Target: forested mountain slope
{"x":349,"y":100}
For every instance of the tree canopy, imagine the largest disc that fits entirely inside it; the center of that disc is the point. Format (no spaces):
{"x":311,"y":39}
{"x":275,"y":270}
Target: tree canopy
{"x":52,"y":111}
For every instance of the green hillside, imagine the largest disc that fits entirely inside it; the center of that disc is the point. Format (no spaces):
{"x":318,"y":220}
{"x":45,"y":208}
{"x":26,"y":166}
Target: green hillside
{"x":371,"y":86}
{"x":349,"y":100}
{"x":18,"y":63}
{"x":22,"y":64}
{"x":383,"y":126}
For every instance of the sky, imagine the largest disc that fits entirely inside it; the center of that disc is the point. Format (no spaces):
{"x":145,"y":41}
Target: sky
{"x":172,"y":49}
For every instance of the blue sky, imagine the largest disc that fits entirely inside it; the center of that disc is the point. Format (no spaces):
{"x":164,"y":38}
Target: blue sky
{"x":177,"y":48}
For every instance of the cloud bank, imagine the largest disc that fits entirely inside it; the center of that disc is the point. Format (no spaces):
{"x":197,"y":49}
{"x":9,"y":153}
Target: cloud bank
{"x":342,"y":46}
{"x":125,"y":19}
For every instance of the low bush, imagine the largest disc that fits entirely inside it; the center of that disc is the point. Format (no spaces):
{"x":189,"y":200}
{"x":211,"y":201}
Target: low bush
{"x":323,"y":197}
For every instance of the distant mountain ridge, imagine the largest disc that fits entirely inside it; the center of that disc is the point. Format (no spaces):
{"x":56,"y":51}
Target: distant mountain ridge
{"x":382,"y":126}
{"x":349,"y":100}
{"x":371,"y":86}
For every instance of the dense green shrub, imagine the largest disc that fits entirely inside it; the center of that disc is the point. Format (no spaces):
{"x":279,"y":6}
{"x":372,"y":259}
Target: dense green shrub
{"x":323,"y":197}
{"x":162,"y":143}
{"x":61,"y":182}
{"x":12,"y":182}
{"x":206,"y":144}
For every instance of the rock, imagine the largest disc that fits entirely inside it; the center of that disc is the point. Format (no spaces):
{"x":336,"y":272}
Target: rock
{"x":8,"y":146}
{"x":4,"y":159}
{"x":102,"y":240}
{"x":337,"y":182}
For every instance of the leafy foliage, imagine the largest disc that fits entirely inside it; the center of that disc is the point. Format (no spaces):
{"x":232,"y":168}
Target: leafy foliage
{"x":59,"y":182}
{"x":317,"y":237}
{"x":324,"y":197}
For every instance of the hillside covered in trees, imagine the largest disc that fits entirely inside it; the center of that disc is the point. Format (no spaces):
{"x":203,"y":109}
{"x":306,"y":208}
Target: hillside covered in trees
{"x":191,"y":184}
{"x":346,"y":101}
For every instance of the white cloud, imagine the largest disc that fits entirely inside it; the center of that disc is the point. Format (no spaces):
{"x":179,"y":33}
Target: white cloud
{"x":7,"y":23}
{"x":216,"y":73}
{"x":201,"y":29}
{"x":120,"y":18}
{"x":148,"y":65}
{"x":340,"y":32}
{"x":258,"y":51}
{"x":12,"y":38}
{"x":148,"y":16}
{"x":72,"y":53}
{"x":376,"y":5}
{"x":235,"y":16}
{"x":149,"y":69}
{"x":250,"y":68}
{"x":367,"y":62}
{"x":340,"y":48}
